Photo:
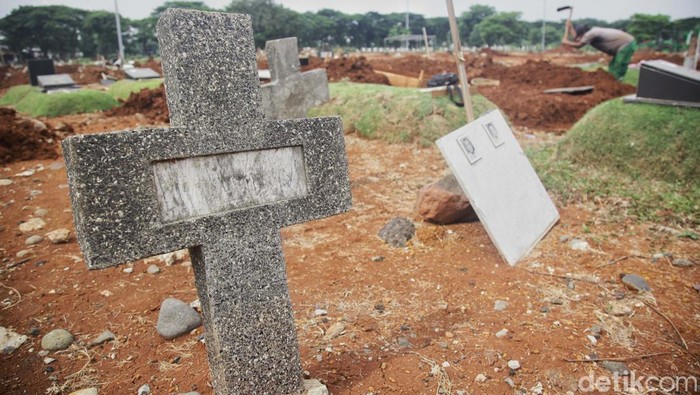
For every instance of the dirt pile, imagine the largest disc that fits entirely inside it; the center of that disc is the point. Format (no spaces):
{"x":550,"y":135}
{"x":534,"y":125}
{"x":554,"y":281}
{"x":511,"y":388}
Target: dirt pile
{"x":27,"y":139}
{"x":10,"y":76}
{"x":411,"y":65}
{"x":520,"y":94}
{"x":151,"y":64}
{"x":648,"y":54}
{"x":147,"y":102}
{"x":355,"y":69}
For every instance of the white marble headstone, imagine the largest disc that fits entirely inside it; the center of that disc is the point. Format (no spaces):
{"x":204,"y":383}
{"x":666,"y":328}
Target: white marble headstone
{"x":501,"y":184}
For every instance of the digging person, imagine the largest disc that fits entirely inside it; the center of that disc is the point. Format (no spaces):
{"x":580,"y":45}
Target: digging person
{"x":620,"y":45}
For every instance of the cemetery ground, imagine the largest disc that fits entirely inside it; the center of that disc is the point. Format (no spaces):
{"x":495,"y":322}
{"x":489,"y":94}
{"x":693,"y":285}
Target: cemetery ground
{"x":428,"y":318}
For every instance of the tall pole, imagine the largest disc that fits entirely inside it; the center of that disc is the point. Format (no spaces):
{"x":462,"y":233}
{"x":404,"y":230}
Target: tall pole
{"x":459,"y":57}
{"x":119,"y":33}
{"x":408,"y":27}
{"x":544,"y":17}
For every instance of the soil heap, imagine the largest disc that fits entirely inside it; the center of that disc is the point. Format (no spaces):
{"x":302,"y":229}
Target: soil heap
{"x":147,"y":102}
{"x":354,"y":69}
{"x":27,"y":139}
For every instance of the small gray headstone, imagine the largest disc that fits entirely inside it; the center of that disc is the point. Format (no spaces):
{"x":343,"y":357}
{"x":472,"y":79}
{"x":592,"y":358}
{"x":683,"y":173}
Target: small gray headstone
{"x":132,"y":196}
{"x":140,"y":73}
{"x":291,"y":93}
{"x":55,"y":81}
{"x":501,"y":184}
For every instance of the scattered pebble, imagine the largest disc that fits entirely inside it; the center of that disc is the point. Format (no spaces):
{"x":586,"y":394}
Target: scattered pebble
{"x":5,"y":182}
{"x":104,"y":337}
{"x":153,"y":269}
{"x":144,"y":390}
{"x":320,"y":312}
{"x":502,"y":333}
{"x":500,"y":305}
{"x":315,"y":387}
{"x":579,"y":245}
{"x":697,"y":287}
{"x":176,"y":318}
{"x":334,"y":330}
{"x":635,"y":282}
{"x":196,"y":304}
{"x":615,"y":367}
{"x":31,"y":225}
{"x":128,"y":270}
{"x":59,"y":236}
{"x":41,"y":212}
{"x":537,"y":389}
{"x":509,"y":381}
{"x":10,"y":341}
{"x":56,"y":340}
{"x":514,"y":364}
{"x":403,"y":342}
{"x":480,"y":378}
{"x":377,"y":258}
{"x":32,"y":240}
{"x":26,"y":173}
{"x":190,"y":393}
{"x":619,"y":308}
{"x":597,"y":331}
{"x":106,"y":293}
{"x":86,"y":391}
{"x":22,"y":253}
{"x":397,"y":232}
{"x":592,"y":339}
{"x":544,"y":309}
{"x":48,"y":360}
{"x":682,"y":263}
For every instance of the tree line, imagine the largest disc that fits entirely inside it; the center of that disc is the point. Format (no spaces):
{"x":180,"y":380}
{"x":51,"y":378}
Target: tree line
{"x":65,"y":32}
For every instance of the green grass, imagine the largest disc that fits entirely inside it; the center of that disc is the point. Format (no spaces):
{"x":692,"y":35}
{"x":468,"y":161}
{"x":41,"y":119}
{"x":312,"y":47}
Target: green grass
{"x":31,"y":101}
{"x":122,"y":89}
{"x":644,"y":159}
{"x":395,"y":115}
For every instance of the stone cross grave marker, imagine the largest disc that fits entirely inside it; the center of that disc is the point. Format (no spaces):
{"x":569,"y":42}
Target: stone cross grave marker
{"x":221,"y":181}
{"x":291,"y":93}
{"x":501,"y":184}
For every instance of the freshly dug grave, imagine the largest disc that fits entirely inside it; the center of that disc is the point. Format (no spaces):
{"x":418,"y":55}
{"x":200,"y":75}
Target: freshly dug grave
{"x":147,"y":102}
{"x":520,"y":93}
{"x":354,"y":69}
{"x":27,"y":139}
{"x":411,"y":65}
{"x":82,"y":75}
{"x":648,"y":54}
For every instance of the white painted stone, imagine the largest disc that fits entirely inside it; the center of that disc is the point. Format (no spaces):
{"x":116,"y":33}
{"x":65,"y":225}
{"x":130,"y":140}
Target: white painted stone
{"x":501,"y":184}
{"x":31,"y":225}
{"x":5,"y":182}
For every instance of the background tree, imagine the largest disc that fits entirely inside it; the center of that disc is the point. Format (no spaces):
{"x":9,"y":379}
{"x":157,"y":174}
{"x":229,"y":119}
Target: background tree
{"x":98,"y":35}
{"x":502,"y":28}
{"x":468,"y":20}
{"x":650,"y":28}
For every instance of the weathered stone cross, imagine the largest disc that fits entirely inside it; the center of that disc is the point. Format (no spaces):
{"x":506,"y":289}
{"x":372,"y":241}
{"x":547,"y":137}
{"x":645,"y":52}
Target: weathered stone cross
{"x":291,"y":93}
{"x":221,"y":181}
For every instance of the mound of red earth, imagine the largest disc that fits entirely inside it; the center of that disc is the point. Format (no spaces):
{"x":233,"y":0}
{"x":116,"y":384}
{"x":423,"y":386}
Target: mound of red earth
{"x":27,"y":139}
{"x":648,"y":54}
{"x":354,"y":69}
{"x":411,"y":65}
{"x":521,"y":93}
{"x":148,"y":102}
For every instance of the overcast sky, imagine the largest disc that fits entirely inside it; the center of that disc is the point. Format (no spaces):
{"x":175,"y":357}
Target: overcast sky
{"x":609,"y":10}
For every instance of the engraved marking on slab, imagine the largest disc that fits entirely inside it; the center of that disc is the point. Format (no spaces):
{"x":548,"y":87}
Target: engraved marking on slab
{"x":204,"y":185}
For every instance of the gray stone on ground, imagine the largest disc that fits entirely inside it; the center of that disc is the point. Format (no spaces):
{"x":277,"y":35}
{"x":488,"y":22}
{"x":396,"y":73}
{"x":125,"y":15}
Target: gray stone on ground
{"x":190,"y":393}
{"x":34,"y":239}
{"x":514,"y":364}
{"x":682,"y":263}
{"x":615,"y":367}
{"x":104,"y":337}
{"x":480,"y":378}
{"x":59,"y":236}
{"x":10,"y":340}
{"x":403,"y":342}
{"x":31,"y":225}
{"x":635,"y":282}
{"x":5,"y":182}
{"x":443,"y":202}
{"x":500,"y":305}
{"x":41,"y":212}
{"x":56,"y":340}
{"x":502,"y":333}
{"x":85,"y":391}
{"x":22,"y":253}
{"x":144,"y":390}
{"x":176,"y":318}
{"x":619,"y":308}
{"x":397,"y":232}
{"x":314,"y":387}
{"x":153,"y":269}
{"x":334,"y":330}
{"x":579,"y":245}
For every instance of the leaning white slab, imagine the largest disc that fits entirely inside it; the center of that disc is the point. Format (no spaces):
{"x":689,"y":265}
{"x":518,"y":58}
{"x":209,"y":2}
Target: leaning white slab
{"x":501,"y":184}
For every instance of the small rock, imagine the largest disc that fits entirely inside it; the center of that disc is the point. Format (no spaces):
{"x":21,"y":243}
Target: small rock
{"x":26,"y":173}
{"x":48,"y":360}
{"x":579,"y":245}
{"x":10,"y":341}
{"x":500,"y":305}
{"x":41,"y":212}
{"x":619,"y":308}
{"x":104,"y":337}
{"x":445,"y":364}
{"x":443,"y":345}
{"x":480,"y":378}
{"x":379,"y":307}
{"x":502,"y":333}
{"x":128,"y":270}
{"x":377,"y":258}
{"x":59,"y":236}
{"x":397,"y":232}
{"x":544,"y":309}
{"x":190,"y":393}
{"x":5,"y":182}
{"x":86,"y":391}
{"x":320,"y":312}
{"x":509,"y":381}
{"x":443,"y":202}
{"x":56,"y":340}
{"x":168,"y":259}
{"x":34,"y":239}
{"x":635,"y":282}
{"x":334,"y":330}
{"x":615,"y":367}
{"x":196,"y":304}
{"x":37,"y":125}
{"x":596,"y":330}
{"x":697,"y":287}
{"x":537,"y":389}
{"x":153,"y":269}
{"x":31,"y":225}
{"x":403,"y":342}
{"x":682,"y":263}
{"x":34,"y":332}
{"x":314,"y":387}
{"x":176,"y":318}
{"x":514,"y":364}
{"x":23,"y":253}
{"x":144,"y":390}
{"x":592,"y":339}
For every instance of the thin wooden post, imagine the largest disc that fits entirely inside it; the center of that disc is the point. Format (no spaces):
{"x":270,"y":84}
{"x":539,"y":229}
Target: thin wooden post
{"x":459,"y":57}
{"x":425,"y":38}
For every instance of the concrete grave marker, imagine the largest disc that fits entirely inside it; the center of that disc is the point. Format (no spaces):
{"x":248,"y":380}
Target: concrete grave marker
{"x":56,"y":82}
{"x":221,"y":181}
{"x":140,"y":73}
{"x":37,"y":67}
{"x":291,"y":93}
{"x":500,"y":183}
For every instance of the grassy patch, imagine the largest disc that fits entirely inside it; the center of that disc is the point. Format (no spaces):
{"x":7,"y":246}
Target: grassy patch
{"x":122,"y":89}
{"x":15,"y":94}
{"x":395,"y":115}
{"x":33,"y":102}
{"x":644,"y":160}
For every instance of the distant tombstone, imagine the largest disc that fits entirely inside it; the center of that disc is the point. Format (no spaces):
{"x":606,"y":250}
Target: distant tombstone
{"x":37,"y":67}
{"x":662,"y":82}
{"x":291,"y":93}
{"x":55,"y":82}
{"x":140,"y":73}
{"x":501,"y":184}
{"x":221,"y":181}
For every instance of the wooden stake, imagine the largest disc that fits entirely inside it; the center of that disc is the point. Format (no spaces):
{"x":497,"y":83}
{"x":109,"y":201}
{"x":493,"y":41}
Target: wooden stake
{"x":425,"y":38}
{"x":459,"y":57}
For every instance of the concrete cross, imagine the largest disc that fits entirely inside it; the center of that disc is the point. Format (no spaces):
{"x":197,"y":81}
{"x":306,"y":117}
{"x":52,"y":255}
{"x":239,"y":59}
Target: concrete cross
{"x":291,"y":93}
{"x":221,"y":181}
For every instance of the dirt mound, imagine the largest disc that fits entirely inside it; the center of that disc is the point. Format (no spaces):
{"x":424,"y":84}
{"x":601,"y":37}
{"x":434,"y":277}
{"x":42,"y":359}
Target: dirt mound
{"x":84,"y":75}
{"x":563,"y":49}
{"x":27,"y":139}
{"x":648,"y":54}
{"x":147,"y":102}
{"x":151,"y":64}
{"x":520,"y":94}
{"x":10,"y":76}
{"x":411,"y":65}
{"x":355,"y":69}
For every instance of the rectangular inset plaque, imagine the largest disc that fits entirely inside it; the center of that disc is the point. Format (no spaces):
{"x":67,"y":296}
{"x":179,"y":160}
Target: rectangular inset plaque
{"x":205,"y":185}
